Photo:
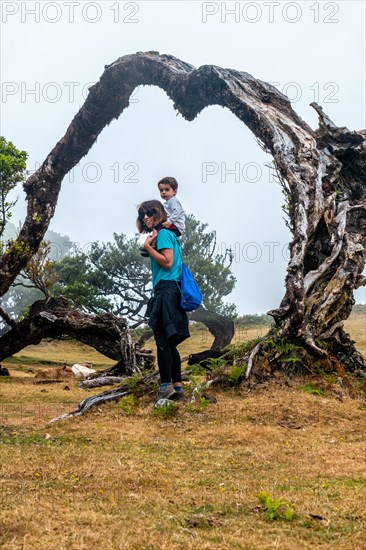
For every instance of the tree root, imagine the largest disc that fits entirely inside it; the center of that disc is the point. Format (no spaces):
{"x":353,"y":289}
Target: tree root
{"x":109,"y":395}
{"x":274,"y":352}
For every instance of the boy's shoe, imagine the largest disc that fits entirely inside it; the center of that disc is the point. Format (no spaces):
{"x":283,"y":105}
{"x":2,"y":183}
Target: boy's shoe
{"x":144,"y":252}
{"x":167,"y":393}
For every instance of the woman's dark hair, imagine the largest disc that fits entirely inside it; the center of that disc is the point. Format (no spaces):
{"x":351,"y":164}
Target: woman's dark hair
{"x":152,"y":206}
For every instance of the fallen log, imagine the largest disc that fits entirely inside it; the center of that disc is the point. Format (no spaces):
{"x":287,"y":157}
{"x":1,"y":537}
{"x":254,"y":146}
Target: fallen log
{"x":107,"y":396}
{"x":101,"y":381}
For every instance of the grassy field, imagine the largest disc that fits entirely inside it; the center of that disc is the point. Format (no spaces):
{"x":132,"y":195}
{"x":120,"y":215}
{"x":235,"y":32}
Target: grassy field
{"x":122,"y":478}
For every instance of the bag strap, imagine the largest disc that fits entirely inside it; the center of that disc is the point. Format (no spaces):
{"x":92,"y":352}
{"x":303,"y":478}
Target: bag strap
{"x":176,"y":282}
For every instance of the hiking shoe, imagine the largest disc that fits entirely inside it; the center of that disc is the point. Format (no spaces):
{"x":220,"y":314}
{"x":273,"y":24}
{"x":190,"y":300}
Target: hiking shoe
{"x":168,"y":393}
{"x":179,"y":395}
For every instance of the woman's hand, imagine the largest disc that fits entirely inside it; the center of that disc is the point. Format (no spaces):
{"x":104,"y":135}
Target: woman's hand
{"x":148,"y":244}
{"x":164,"y":257}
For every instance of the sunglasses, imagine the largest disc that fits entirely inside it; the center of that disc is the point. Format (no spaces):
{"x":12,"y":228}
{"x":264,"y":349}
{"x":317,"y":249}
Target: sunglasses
{"x":148,"y":213}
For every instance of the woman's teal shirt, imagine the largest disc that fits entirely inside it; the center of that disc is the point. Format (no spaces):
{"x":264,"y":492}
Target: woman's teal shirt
{"x":167,"y":239}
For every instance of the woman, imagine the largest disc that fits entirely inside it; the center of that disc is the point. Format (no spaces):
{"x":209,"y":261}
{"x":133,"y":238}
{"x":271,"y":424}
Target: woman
{"x":168,"y":320}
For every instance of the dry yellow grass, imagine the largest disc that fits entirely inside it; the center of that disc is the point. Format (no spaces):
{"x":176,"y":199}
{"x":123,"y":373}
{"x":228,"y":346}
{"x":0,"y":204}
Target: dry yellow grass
{"x":66,"y":352}
{"x":120,"y":478}
{"x":201,"y":338}
{"x":356,"y":326}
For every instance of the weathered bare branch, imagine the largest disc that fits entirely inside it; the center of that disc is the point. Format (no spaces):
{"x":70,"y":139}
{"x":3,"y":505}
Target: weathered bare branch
{"x":8,"y":320}
{"x":256,"y":103}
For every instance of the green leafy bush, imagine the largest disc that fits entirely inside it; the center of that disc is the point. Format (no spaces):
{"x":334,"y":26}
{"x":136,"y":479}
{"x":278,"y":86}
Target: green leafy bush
{"x":236,"y":374}
{"x":128,"y":405}
{"x":276,"y":508}
{"x":170,"y":410}
{"x":309,"y":388}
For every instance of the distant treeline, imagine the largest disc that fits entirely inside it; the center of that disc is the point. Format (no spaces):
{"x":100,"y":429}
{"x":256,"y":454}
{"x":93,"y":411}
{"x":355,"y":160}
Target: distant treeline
{"x":359,"y":308}
{"x":256,"y":319}
{"x":253,"y":320}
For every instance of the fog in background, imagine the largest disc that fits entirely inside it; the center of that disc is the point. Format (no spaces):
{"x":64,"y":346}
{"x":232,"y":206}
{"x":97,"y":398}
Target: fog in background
{"x":51,"y":52}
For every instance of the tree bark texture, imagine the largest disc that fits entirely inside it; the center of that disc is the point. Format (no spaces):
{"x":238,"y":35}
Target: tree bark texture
{"x":322,"y":172}
{"x":53,"y":318}
{"x":145,"y":384}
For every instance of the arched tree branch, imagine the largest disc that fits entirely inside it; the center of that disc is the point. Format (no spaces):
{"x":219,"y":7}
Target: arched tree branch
{"x":258,"y":104}
{"x":323,"y":172}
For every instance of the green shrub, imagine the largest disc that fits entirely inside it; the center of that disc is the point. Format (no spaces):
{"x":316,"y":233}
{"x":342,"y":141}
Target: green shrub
{"x":170,"y":410}
{"x":276,"y":508}
{"x":236,"y":374}
{"x":198,"y":406}
{"x":236,"y":351}
{"x":133,"y":381}
{"x":309,"y":388}
{"x":128,"y":404}
{"x":198,"y":370}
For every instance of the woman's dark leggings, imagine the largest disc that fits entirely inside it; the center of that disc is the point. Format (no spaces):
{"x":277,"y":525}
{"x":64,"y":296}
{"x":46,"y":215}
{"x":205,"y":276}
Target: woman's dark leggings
{"x":169,"y":364}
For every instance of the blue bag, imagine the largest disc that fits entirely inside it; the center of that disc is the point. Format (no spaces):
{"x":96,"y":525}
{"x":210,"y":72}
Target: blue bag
{"x":191,"y":297}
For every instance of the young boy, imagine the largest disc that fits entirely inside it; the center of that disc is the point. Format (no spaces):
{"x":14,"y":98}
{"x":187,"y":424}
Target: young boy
{"x":175,"y":214}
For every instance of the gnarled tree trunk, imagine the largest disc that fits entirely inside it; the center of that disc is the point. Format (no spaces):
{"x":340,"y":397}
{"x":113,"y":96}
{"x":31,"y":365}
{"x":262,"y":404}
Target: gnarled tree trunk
{"x":221,"y":327}
{"x":54,"y":318}
{"x":322,"y":172}
{"x":327,"y":210}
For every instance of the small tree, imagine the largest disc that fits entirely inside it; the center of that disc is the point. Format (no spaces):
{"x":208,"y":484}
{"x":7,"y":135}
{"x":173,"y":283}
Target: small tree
{"x":210,"y":266}
{"x":115,"y":277}
{"x":111,"y":277}
{"x":12,"y":171}
{"x":38,"y":278}
{"x":33,"y":283}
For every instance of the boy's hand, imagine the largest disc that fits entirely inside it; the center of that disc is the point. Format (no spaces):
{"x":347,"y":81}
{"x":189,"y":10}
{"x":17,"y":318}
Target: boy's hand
{"x":166,"y":224}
